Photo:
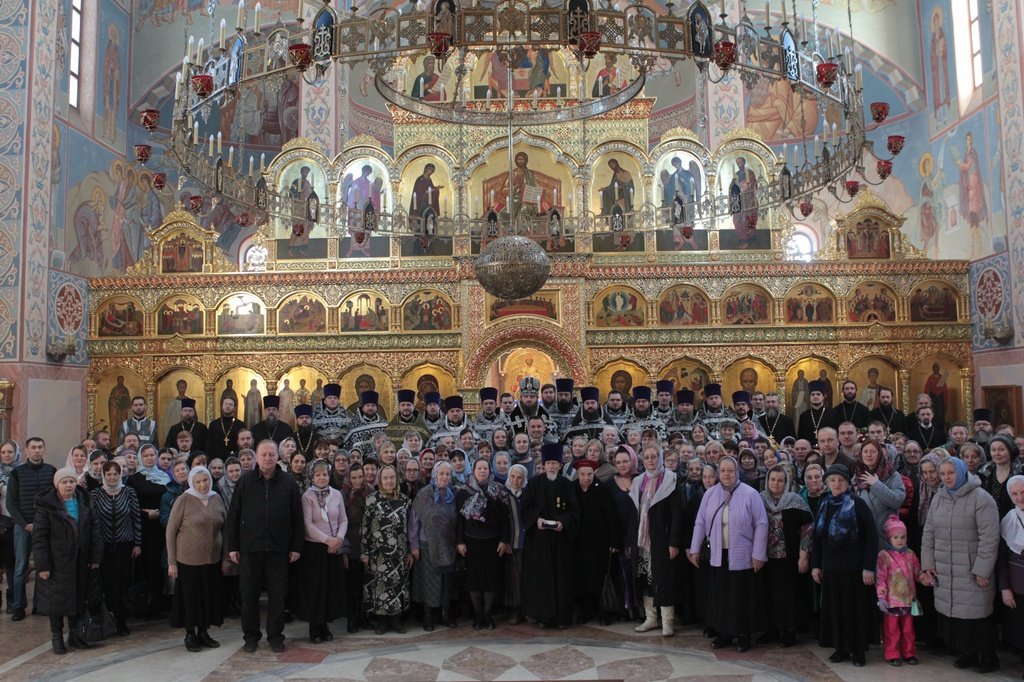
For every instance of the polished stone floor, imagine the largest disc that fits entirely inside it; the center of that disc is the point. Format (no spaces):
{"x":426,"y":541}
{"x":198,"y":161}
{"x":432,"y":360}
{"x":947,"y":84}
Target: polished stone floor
{"x":154,"y":652}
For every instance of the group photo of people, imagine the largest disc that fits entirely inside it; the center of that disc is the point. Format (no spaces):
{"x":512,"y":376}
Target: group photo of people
{"x":850,"y":528}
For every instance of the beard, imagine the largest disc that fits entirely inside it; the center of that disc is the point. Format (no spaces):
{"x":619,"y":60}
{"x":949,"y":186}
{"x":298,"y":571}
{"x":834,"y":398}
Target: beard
{"x":592,"y":415}
{"x":849,"y":399}
{"x":564,"y":405}
{"x":771,"y":412}
{"x":982,"y":437}
{"x":305,"y":429}
{"x":271,"y":420}
{"x":642,"y":415}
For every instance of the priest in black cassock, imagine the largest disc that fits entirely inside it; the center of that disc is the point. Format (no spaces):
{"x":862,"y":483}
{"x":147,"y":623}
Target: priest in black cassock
{"x":849,"y":410}
{"x":818,"y":415}
{"x":271,"y":427}
{"x":189,"y":422}
{"x":774,"y":423}
{"x":222,"y":433}
{"x":551,"y":517}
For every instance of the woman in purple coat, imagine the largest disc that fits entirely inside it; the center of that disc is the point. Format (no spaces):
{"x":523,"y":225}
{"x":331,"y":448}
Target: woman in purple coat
{"x":732,"y":518}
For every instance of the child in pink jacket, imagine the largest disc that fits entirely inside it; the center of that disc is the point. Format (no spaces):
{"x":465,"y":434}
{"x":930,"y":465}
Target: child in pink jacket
{"x":897,"y":569}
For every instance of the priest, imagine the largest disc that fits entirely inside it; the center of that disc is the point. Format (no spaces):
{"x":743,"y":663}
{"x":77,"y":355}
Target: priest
{"x":895,"y":421}
{"x":188,"y":423}
{"x":564,"y":409}
{"x":590,"y":421}
{"x":774,"y":423}
{"x":330,"y":420}
{"x":222,"y":432}
{"x":366,"y":424}
{"x":453,"y":424}
{"x":663,"y":400}
{"x":305,"y":434}
{"x":407,"y":418}
{"x":818,"y":415}
{"x":714,"y":411}
{"x":432,"y":416}
{"x":643,"y":414}
{"x":271,"y":427}
{"x":849,"y":410}
{"x":683,"y":417}
{"x":490,"y":417}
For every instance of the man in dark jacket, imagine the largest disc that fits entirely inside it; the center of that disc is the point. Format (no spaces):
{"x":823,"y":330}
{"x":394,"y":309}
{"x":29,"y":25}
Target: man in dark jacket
{"x":263,"y":534}
{"x":26,"y":482}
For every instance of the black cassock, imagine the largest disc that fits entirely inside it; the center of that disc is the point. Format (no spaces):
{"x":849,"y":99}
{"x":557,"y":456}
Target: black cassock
{"x":547,"y":554}
{"x":599,"y":530}
{"x":222,"y":437}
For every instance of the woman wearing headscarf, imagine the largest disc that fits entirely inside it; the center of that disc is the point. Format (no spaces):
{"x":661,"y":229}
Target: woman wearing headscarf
{"x":482,"y":537}
{"x":733,"y":520}
{"x":659,"y":538}
{"x":9,"y":458}
{"x":844,"y":550}
{"x":411,"y":481}
{"x":226,"y":488}
{"x":173,"y":490}
{"x":78,"y":460}
{"x":878,"y":484}
{"x":1010,"y":569}
{"x":354,"y":495}
{"x":67,"y":546}
{"x":339,"y":470}
{"x":512,"y":568}
{"x":150,"y":484}
{"x":789,"y":549}
{"x":620,"y":487}
{"x":996,"y":474}
{"x":432,"y":544}
{"x":297,"y":468}
{"x":115,"y":509}
{"x":194,"y":555}
{"x":385,"y":546}
{"x":94,"y":475}
{"x":959,"y":548}
{"x":927,"y":485}
{"x":322,"y":596}
{"x":708,"y":480}
{"x":597,"y":539}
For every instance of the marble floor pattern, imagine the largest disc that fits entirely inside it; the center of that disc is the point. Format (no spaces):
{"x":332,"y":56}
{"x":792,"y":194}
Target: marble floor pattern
{"x":155,"y":653}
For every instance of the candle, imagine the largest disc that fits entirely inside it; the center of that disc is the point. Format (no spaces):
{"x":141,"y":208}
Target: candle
{"x":256,"y":19}
{"x":429,"y":195}
{"x":768,"y":12}
{"x":859,"y":74}
{"x":199,"y":51}
{"x":263,"y":162}
{"x":240,"y":23}
{"x":184,"y":67}
{"x":298,"y":10}
{"x":195,"y":133}
{"x":785,"y":16}
{"x":223,"y":32}
{"x":414,"y":202}
{"x":492,"y":199}
{"x":784,"y":146}
{"x":177,"y":86}
{"x":252,"y":163}
{"x":616,"y":185}
{"x":443,"y":99}
{"x":556,"y":197}
{"x":835,"y":137}
{"x":210,"y":152}
{"x":220,"y":144}
{"x":231,"y":156}
{"x":558,"y":93}
{"x":817,"y":151}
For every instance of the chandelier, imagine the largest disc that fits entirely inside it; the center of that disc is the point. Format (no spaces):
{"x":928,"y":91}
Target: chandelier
{"x":457,"y":34}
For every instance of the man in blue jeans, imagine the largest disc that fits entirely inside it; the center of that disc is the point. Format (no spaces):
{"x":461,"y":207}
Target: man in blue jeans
{"x":26,"y":481}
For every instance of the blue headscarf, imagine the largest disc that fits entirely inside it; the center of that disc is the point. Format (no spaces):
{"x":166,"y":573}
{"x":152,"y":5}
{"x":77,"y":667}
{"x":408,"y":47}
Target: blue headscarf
{"x":961,"y":474}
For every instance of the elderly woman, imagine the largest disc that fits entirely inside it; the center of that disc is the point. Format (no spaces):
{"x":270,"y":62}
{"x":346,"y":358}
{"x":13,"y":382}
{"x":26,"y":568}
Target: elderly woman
{"x":482,"y":536}
{"x":598,"y":537}
{"x":926,"y":486}
{"x":995,"y":475}
{"x":974,"y":457}
{"x":659,"y":538}
{"x":958,"y":559}
{"x":512,"y":568}
{"x":843,"y":556}
{"x":879,"y":484}
{"x":732,"y":519}
{"x":115,"y":509}
{"x":385,"y":553}
{"x":354,"y":494}
{"x":1010,"y":569}
{"x":751,"y":472}
{"x":411,"y":480}
{"x":339,"y":470}
{"x":789,"y":548}
{"x":66,"y":545}
{"x":194,"y":554}
{"x":701,"y":569}
{"x":173,"y":490}
{"x":432,"y":544}
{"x":323,"y":512}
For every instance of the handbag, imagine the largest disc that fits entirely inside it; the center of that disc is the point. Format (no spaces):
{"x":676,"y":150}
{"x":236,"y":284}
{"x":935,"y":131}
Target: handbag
{"x":97,"y":627}
{"x":611,"y":595}
{"x":915,"y":608}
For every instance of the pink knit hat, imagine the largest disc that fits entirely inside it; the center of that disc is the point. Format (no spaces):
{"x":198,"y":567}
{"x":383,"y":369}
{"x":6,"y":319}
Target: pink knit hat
{"x":894,"y":525}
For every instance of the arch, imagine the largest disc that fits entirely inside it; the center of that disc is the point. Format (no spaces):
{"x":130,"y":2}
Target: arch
{"x":683,"y":305}
{"x":619,"y":305}
{"x":809,"y":302}
{"x":168,"y":408}
{"x":945,"y":387}
{"x":621,"y":374}
{"x":248,"y":408}
{"x":871,"y":373}
{"x":934,"y":300}
{"x":800,"y":373}
{"x":240,"y":313}
{"x":115,"y":388}
{"x":620,"y":146}
{"x":563,"y":352}
{"x":182,"y":314}
{"x":746,"y":304}
{"x":301,"y":312}
{"x":430,"y":151}
{"x":426,"y":377}
{"x":378,"y":380}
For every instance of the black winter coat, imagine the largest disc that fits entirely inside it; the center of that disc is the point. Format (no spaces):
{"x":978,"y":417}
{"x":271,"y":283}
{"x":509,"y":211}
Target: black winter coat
{"x":65,"y":548}
{"x":599,"y":530}
{"x":265,"y":515}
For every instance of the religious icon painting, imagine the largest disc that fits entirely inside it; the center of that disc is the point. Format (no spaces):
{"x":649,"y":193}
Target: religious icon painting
{"x":171,"y":389}
{"x":809,"y":303}
{"x":119,"y":316}
{"x":302,"y":313}
{"x":747,"y":375}
{"x":540,"y":75}
{"x":939,"y":376}
{"x":300,"y":385}
{"x":182,"y":315}
{"x":428,"y":310}
{"x":365,"y":311}
{"x":181,"y":254}
{"x":428,"y":378}
{"x":241,"y":314}
{"x":619,"y":306}
{"x":303,"y":185}
{"x":798,"y":378}
{"x":871,"y":375}
{"x":616,"y":182}
{"x":116,"y":386}
{"x":871,"y":302}
{"x":683,"y":306}
{"x":933,"y":302}
{"x":429,"y":200}
{"x":687,"y":374}
{"x":365,"y":181}
{"x":619,"y":375}
{"x":247,"y":388}
{"x":746,"y":304}
{"x":543,"y":304}
{"x":868,"y":240}
{"x":365,"y":377}
{"x":743,"y":177}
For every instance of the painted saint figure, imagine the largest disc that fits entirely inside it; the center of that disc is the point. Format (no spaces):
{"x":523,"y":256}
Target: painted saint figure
{"x":619,"y":189}
{"x":972,"y":194}
{"x":743,"y":201}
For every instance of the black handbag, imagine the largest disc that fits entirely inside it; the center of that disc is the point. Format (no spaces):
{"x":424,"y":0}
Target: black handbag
{"x":611,"y":596}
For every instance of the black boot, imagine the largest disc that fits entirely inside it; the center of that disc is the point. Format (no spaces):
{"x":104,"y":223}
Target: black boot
{"x":396,"y":625}
{"x":205,"y":639}
{"x":314,"y":634}
{"x":122,"y":627}
{"x":382,"y":625}
{"x":428,"y":619}
{"x":477,"y":599}
{"x":58,"y":643}
{"x":74,"y":639}
{"x":516,"y":618}
{"x":325,"y":633}
{"x":488,"y":622}
{"x":447,"y":618}
{"x":191,"y":641}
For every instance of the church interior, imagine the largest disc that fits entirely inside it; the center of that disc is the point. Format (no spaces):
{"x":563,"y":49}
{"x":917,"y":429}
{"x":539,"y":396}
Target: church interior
{"x":234,"y":199}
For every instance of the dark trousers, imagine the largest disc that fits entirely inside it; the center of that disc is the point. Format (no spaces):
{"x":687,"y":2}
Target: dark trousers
{"x":256,"y":571}
{"x":354,"y":577}
{"x":116,"y":574}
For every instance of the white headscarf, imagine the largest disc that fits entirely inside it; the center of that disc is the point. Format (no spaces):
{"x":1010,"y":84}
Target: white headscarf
{"x":1012,"y":525}
{"x":191,"y":477}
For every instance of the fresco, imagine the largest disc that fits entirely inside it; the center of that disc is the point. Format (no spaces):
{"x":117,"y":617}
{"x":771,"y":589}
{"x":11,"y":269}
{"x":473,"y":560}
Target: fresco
{"x":112,"y":75}
{"x":991,"y":306}
{"x":871,"y":302}
{"x":619,"y":306}
{"x":810,"y":304}
{"x":682,"y":306}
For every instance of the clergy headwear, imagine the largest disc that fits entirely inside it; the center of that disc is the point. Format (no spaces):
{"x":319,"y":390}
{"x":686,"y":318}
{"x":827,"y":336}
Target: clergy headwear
{"x":488,"y":393}
{"x":368,"y":397}
{"x":664,"y":386}
{"x":332,"y":389}
{"x":188,"y":402}
{"x":303,"y":410}
{"x":641,"y":393}
{"x":271,"y":401}
{"x":529,"y":386}
{"x":983,"y":414}
{"x":563,"y":385}
{"x":551,"y":452}
{"x":712,"y":389}
{"x":817,"y":385}
{"x":740,"y":397}
{"x":406,"y":396}
{"x":589,"y":393}
{"x":452,"y":402}
{"x":432,"y":397}
{"x":685,"y":396}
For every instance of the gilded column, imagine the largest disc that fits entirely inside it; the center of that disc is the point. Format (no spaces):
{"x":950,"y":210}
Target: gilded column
{"x":967,"y":385}
{"x":904,"y":377}
{"x":210,"y":389}
{"x":780,"y":388}
{"x":151,"y":401}
{"x":90,"y":392}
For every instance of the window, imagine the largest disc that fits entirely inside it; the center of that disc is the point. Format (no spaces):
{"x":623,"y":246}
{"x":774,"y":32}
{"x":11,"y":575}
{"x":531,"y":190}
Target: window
{"x":802,"y":244}
{"x":75,"y":63}
{"x":967,"y":50}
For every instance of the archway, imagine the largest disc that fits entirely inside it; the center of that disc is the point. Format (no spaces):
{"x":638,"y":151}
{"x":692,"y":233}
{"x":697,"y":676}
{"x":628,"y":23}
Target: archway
{"x":512,"y":366}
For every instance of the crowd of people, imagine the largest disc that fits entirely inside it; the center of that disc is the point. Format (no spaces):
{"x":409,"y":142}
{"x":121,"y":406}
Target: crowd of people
{"x":851,"y":526}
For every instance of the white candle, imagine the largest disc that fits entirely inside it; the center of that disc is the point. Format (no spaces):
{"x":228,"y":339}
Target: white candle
{"x":298,"y":10}
{"x":252,"y":164}
{"x":195,"y":133}
{"x":616,"y":185}
{"x":429,"y":195}
{"x":231,"y":156}
{"x":835,"y":137}
{"x":785,"y":16}
{"x":443,"y":98}
{"x":784,"y":146}
{"x":263,"y":162}
{"x":184,"y":68}
{"x":859,"y":73}
{"x":191,"y":44}
{"x":492,"y":199}
{"x":817,"y":149}
{"x":177,"y":86}
{"x":223,"y":34}
{"x":768,"y":12}
{"x":199,"y":51}
{"x":556,"y":197}
{"x":240,"y":23}
{"x":558,"y":92}
{"x":256,"y":19}
{"x":220,"y":143}
{"x":413,"y":202}
{"x":210,"y":152}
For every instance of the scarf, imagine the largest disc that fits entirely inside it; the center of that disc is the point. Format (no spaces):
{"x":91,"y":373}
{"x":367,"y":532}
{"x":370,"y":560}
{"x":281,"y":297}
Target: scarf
{"x":192,"y":491}
{"x":1012,"y":527}
{"x":648,"y":487}
{"x":227,"y":489}
{"x":789,"y":500}
{"x":115,"y":489}
{"x":321,"y":493}
{"x":883,"y":470}
{"x":925,"y":493}
{"x":522,"y":470}
{"x":6,"y":469}
{"x":842,"y":528}
{"x":961,"y":475}
{"x":475,"y":507}
{"x":154,"y":474}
